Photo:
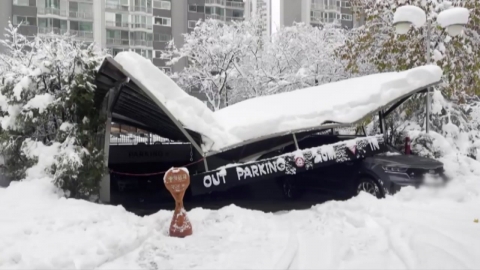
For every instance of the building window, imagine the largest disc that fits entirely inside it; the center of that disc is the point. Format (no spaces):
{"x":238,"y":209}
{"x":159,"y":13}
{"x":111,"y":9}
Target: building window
{"x":346,"y":4}
{"x":192,"y":24}
{"x":237,"y":13}
{"x":158,"y":54}
{"x":24,"y":20}
{"x":52,"y":23}
{"x":52,"y":4}
{"x":21,"y":2}
{"x":161,"y":37}
{"x":162,"y":4}
{"x":116,"y":51}
{"x":139,"y":21}
{"x":166,"y":69}
{"x":80,"y":10}
{"x":81,"y":26}
{"x":196,"y":8}
{"x":163,"y":21}
{"x":347,"y":17}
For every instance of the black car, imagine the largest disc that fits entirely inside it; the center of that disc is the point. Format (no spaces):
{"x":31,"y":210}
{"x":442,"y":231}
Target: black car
{"x":379,"y":175}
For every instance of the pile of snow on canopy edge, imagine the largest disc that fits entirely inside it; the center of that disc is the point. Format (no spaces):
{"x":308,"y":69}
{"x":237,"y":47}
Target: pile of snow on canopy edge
{"x":188,"y":110}
{"x":346,"y":101}
{"x":243,"y":121}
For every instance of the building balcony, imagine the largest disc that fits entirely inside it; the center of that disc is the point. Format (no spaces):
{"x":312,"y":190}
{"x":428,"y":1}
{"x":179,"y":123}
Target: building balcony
{"x":117,"y":24}
{"x":325,"y":7}
{"x":84,"y":35}
{"x":77,"y":34}
{"x":142,"y":26}
{"x":51,"y":31}
{"x":235,"y":4}
{"x":215,"y":2}
{"x":142,"y":43}
{"x":214,"y":16}
{"x":141,"y":9}
{"x":81,"y":15}
{"x":116,"y":7}
{"x":28,"y":30}
{"x":51,"y":11}
{"x":323,"y":20}
{"x":118,"y":42}
{"x":239,"y":19}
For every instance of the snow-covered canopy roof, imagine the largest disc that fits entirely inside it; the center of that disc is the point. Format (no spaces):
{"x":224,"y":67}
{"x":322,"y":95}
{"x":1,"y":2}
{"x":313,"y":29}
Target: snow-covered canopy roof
{"x":258,"y":119}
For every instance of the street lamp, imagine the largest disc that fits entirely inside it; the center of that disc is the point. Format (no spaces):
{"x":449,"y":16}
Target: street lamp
{"x":453,"y":20}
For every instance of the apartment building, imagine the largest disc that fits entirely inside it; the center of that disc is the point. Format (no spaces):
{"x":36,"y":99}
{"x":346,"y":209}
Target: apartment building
{"x":314,"y":12}
{"x":144,"y":26}
{"x":262,"y":9}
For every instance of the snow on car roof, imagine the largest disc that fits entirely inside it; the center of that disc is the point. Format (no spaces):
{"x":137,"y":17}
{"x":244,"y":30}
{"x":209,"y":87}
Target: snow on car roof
{"x":347,"y":102}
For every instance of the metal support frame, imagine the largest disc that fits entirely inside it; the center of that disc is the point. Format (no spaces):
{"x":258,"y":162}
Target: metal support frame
{"x":107,"y":107}
{"x":383,"y":126}
{"x":295,"y":140}
{"x":205,"y":163}
{"x":380,"y":120}
{"x":159,"y":104}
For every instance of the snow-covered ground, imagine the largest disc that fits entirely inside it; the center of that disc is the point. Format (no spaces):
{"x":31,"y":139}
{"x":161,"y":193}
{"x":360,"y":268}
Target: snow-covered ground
{"x":419,"y":229}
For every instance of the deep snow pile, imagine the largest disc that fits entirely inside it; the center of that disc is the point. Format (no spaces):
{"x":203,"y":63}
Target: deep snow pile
{"x":419,"y":229}
{"x":41,"y":230}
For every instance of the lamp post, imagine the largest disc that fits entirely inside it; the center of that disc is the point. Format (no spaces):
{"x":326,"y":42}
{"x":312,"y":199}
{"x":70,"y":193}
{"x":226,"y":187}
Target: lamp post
{"x":453,"y":20}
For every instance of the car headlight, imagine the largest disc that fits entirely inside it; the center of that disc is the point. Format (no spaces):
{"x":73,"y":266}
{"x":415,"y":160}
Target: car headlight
{"x":391,"y":169}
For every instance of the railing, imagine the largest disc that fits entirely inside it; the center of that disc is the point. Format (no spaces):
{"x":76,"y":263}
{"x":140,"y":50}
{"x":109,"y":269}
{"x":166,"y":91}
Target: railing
{"x":141,"y":9}
{"x":116,"y":7}
{"x":324,"y":20}
{"x":142,"y":25}
{"x":139,"y":138}
{"x":215,"y":2}
{"x":87,"y":35}
{"x":52,"y":30}
{"x":325,"y":7}
{"x":235,"y":4}
{"x":82,"y":34}
{"x":234,"y":18}
{"x":117,"y":24}
{"x":145,"y":43}
{"x":214,"y":16}
{"x":121,"y":42}
{"x":81,"y":15}
{"x":51,"y":11}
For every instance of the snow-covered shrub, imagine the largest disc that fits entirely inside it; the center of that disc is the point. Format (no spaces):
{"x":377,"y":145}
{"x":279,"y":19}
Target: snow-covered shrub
{"x":455,"y":100}
{"x":47,"y":98}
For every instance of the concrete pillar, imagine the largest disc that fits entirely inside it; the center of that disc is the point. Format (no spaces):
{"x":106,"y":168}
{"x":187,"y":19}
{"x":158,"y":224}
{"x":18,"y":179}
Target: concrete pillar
{"x":99,"y":30}
{"x":105,"y":182}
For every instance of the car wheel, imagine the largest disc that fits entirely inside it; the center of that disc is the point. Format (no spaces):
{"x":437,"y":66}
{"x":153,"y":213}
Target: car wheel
{"x":290,"y":191}
{"x":370,"y":186}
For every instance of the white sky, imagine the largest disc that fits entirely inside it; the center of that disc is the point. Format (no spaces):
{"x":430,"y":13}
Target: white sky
{"x":275,"y":15}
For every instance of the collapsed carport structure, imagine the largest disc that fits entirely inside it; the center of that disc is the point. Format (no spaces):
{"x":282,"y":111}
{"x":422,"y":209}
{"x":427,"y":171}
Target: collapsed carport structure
{"x":131,"y":90}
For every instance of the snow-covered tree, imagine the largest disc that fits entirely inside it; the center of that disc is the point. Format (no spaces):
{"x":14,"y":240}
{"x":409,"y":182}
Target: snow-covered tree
{"x":47,"y":99}
{"x":213,"y":49}
{"x":377,"y":43}
{"x":298,"y":56}
{"x":230,"y":62}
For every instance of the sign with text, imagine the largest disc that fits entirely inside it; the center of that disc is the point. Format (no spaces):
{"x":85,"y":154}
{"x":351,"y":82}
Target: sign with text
{"x":286,"y":164}
{"x":177,"y":180}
